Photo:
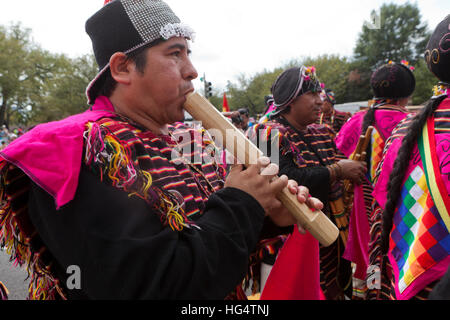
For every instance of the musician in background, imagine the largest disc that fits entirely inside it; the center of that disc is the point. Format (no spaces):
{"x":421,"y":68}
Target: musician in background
{"x":409,"y":244}
{"x":239,"y":118}
{"x":307,"y":153}
{"x":329,"y":115}
{"x":392,"y":85}
{"x":101,"y":205}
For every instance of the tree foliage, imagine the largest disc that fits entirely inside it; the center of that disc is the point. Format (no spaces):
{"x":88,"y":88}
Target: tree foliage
{"x":66,"y":90}
{"x":402,"y":35}
{"x":250,"y":91}
{"x":36,"y":85}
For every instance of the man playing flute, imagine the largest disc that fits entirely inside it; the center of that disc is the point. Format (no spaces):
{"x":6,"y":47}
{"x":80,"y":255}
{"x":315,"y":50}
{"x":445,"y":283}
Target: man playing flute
{"x":104,"y":194}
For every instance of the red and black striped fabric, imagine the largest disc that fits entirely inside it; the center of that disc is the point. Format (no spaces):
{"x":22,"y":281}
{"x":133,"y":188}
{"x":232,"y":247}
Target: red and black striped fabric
{"x":182,"y":164}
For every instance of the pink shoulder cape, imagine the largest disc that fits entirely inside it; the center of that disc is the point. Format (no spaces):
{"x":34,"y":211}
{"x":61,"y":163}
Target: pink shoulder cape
{"x":50,"y":154}
{"x":348,"y":136}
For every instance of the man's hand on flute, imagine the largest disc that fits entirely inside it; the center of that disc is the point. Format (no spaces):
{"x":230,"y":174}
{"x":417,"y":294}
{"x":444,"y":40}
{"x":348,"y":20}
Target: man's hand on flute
{"x":262,"y":183}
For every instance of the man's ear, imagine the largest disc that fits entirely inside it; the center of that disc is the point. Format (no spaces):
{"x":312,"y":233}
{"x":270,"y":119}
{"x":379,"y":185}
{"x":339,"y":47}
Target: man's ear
{"x":120,"y":67}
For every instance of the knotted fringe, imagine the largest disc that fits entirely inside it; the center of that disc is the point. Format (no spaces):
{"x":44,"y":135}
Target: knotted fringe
{"x":3,"y":292}
{"x":111,"y":159}
{"x":17,"y":244}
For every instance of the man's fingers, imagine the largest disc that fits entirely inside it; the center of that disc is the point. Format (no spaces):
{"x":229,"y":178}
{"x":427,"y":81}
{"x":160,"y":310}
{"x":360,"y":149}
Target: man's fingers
{"x":271,"y":170}
{"x":279,"y":184}
{"x":261,"y":163}
{"x":314,"y":203}
{"x":293,"y":186}
{"x":303,"y":194}
{"x":364,"y":166}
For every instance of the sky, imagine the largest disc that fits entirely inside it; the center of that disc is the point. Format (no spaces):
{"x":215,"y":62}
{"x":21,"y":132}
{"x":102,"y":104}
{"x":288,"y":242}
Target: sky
{"x":233,"y":37}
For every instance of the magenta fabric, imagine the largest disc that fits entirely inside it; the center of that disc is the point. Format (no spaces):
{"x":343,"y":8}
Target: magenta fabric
{"x":442,"y":152}
{"x":386,"y":120}
{"x":348,"y":136}
{"x":50,"y":154}
{"x":380,"y":189}
{"x":357,"y":249}
{"x":296,"y":272}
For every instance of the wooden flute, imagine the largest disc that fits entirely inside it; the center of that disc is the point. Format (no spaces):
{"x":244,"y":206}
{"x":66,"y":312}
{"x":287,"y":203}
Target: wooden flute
{"x":358,"y":155}
{"x":317,"y":223}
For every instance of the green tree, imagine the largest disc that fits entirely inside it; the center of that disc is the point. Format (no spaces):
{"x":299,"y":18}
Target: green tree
{"x":249,"y":92}
{"x":333,"y":71}
{"x":425,"y":81}
{"x":66,"y":89}
{"x":24,"y":71}
{"x":401,"y":36}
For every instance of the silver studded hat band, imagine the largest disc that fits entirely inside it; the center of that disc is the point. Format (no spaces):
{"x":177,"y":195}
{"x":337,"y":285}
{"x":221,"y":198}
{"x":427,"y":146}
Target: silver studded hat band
{"x":125,"y":26}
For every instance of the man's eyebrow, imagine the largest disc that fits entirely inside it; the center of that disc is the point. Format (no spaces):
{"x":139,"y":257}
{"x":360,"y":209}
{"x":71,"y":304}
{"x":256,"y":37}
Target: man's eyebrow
{"x":179,"y":46}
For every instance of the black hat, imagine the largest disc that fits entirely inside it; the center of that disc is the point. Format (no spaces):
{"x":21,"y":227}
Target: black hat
{"x":293,"y":83}
{"x":393,"y":81}
{"x":268,"y":100}
{"x":125,"y":26}
{"x":437,"y":54}
{"x":243,"y":111}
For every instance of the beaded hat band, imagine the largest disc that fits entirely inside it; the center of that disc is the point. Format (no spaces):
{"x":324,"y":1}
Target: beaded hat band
{"x":125,"y":26}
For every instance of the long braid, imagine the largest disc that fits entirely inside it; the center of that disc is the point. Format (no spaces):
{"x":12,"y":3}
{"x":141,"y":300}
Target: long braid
{"x":400,"y":166}
{"x":369,"y":119}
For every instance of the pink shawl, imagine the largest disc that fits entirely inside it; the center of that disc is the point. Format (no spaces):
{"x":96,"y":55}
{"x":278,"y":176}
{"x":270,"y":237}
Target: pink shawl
{"x":50,"y":154}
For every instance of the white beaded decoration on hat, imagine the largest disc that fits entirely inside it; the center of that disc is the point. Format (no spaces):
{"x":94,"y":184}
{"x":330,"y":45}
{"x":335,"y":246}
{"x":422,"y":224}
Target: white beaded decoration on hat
{"x":177,"y":30}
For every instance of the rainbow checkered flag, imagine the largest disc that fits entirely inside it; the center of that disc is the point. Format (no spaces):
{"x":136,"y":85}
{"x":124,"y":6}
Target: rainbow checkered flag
{"x":419,"y":239}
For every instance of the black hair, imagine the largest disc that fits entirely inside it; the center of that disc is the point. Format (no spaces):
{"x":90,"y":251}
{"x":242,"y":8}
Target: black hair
{"x":244,"y":111}
{"x":368,"y":120}
{"x":401,"y":165}
{"x":138,"y":56}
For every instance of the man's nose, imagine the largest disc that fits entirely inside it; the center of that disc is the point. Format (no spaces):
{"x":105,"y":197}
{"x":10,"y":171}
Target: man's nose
{"x":189,"y":72}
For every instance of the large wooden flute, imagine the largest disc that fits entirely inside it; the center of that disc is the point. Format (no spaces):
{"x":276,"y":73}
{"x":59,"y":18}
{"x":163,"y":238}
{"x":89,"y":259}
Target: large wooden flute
{"x":317,"y":223}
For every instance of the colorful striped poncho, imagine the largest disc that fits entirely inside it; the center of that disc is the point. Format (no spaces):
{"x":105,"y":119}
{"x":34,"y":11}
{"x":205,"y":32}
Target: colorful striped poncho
{"x":174,"y":174}
{"x":419,"y":248}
